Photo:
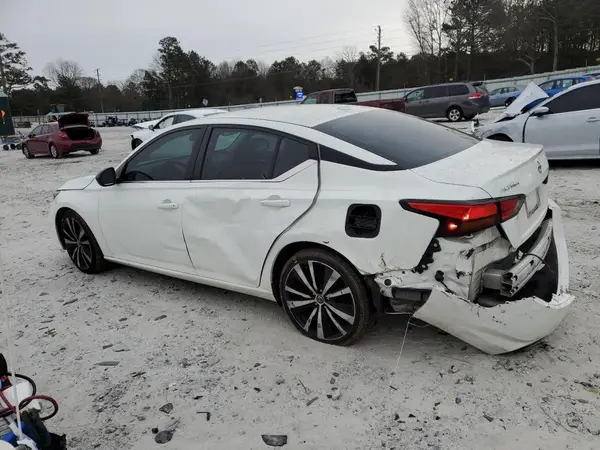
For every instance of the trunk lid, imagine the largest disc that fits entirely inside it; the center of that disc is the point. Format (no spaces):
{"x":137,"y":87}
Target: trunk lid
{"x":502,"y":169}
{"x":73,"y":119}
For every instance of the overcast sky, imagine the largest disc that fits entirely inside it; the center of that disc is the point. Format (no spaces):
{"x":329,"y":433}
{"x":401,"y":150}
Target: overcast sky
{"x":119,"y":36}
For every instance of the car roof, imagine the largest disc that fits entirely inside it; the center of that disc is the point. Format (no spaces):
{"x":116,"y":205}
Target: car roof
{"x":303,"y":115}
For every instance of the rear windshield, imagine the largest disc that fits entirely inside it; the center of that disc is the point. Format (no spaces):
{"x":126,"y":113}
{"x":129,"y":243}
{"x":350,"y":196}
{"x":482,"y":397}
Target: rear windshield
{"x":344,"y":97}
{"x":481,"y":90}
{"x":406,"y":140}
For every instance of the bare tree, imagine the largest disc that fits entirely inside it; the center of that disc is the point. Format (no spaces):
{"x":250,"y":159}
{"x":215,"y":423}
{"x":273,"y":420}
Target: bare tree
{"x":328,"y":66}
{"x":263,"y":68}
{"x":63,"y":72}
{"x":347,"y":58}
{"x":415,"y":19}
{"x":224,"y":70}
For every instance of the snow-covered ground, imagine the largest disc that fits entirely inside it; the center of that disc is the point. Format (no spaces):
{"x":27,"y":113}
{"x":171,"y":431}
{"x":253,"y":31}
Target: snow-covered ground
{"x":240,"y":359}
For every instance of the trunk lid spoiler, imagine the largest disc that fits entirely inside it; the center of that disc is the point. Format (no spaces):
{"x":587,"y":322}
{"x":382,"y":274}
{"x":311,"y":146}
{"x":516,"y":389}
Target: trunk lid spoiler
{"x":73,"y":119}
{"x":501,"y":169}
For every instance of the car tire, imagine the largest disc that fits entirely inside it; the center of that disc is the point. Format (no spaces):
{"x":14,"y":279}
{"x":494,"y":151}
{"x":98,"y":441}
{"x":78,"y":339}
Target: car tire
{"x":508,"y":102}
{"x":25,"y":151}
{"x":80,"y":243}
{"x":307,"y":284}
{"x":55,"y":152}
{"x":135,"y":144}
{"x":95,"y":151}
{"x":454,"y":114}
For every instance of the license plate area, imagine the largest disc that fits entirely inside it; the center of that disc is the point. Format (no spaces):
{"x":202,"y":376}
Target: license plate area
{"x":532,"y":202}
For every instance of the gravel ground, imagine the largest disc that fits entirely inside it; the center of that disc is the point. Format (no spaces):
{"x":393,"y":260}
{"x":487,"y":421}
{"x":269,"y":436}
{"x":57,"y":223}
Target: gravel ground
{"x":239,"y":358}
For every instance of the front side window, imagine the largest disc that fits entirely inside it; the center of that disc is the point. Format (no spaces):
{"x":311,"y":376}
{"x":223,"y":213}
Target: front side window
{"x":37,"y":131}
{"x":165,"y":123}
{"x":581,"y":99}
{"x":547,"y":85}
{"x":419,"y":94}
{"x":240,"y":154}
{"x":46,"y":129}
{"x":168,"y":158}
{"x":564,"y":84}
{"x":310,"y":99}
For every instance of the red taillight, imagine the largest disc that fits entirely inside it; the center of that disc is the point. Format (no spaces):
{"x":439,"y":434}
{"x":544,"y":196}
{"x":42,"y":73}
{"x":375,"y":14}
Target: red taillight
{"x":461,"y":218}
{"x":475,"y":95}
{"x":62,"y":135}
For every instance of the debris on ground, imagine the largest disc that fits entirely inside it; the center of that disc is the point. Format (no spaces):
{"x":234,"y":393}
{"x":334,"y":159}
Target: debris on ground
{"x":275,"y":440}
{"x":166,"y":408}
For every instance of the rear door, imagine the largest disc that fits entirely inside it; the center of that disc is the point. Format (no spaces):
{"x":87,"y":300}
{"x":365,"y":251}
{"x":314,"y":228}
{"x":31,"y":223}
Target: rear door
{"x":572,"y":129}
{"x":437,"y":101}
{"x":249,"y":187}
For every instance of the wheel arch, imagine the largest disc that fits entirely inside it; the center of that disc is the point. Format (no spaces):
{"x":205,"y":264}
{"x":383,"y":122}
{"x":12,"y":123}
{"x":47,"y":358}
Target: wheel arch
{"x":291,"y":249}
{"x":500,"y":137}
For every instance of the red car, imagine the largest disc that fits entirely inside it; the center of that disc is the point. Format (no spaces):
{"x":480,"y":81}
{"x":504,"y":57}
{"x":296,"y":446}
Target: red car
{"x":70,"y":133}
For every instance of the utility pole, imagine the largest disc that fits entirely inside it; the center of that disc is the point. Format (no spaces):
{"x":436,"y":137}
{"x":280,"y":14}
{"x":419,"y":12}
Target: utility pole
{"x":378,"y":30}
{"x":2,"y":76}
{"x":100,"y":90}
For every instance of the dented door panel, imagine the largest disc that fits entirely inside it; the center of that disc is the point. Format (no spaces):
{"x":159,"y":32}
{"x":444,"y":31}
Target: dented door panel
{"x":230,"y":226}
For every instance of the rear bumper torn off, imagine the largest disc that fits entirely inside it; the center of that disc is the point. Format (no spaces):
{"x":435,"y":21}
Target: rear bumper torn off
{"x":515,"y":321}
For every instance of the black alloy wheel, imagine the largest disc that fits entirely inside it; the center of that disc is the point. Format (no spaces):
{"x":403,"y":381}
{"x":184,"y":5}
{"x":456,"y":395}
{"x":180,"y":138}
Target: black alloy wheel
{"x":81,"y":244}
{"x":325,"y":297}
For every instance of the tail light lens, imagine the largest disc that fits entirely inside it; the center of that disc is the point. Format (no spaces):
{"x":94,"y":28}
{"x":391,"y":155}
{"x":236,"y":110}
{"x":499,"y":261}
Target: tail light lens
{"x":475,"y":95}
{"x":62,"y":135}
{"x":462,"y":218}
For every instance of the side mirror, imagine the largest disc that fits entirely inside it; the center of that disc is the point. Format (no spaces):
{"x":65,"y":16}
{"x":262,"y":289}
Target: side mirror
{"x":151,"y":127}
{"x":540,"y":111}
{"x":107,"y":177}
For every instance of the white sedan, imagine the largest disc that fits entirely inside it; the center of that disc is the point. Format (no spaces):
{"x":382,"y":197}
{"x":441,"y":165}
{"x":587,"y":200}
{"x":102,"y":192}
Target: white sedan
{"x":336,"y":212}
{"x":567,"y":124}
{"x":146,"y":130}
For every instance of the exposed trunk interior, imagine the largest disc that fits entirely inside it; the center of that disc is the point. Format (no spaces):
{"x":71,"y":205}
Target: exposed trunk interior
{"x":80,"y":133}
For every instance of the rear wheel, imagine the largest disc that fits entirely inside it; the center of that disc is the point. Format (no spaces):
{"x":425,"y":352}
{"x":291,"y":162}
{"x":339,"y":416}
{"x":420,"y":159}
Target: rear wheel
{"x":80,"y":243}
{"x":454,"y":114}
{"x":54,"y":152}
{"x":25,"y":151}
{"x":95,"y":151}
{"x":324,"y":297}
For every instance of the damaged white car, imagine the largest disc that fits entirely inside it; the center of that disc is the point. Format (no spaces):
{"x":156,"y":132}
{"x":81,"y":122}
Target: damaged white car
{"x":335,"y":212}
{"x":567,"y":124}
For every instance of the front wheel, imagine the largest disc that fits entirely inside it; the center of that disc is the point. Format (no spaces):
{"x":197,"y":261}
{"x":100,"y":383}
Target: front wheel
{"x":508,"y":102}
{"x":454,"y":114}
{"x":80,"y":243}
{"x":324,"y":297}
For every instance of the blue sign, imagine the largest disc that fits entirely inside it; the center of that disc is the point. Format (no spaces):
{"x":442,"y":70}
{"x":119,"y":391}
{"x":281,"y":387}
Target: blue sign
{"x":299,"y":95}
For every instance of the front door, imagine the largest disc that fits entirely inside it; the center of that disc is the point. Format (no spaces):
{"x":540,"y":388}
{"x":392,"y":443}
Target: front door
{"x":572,"y":128}
{"x":252,"y":186}
{"x":34,"y":142}
{"x":140,"y":217}
{"x":416,"y":104}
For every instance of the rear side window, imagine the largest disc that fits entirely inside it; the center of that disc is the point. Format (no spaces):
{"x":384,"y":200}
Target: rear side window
{"x":436,"y":92}
{"x":344,"y":97}
{"x":408,"y":141}
{"x":460,"y":89}
{"x":291,"y":154}
{"x":323,"y":97}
